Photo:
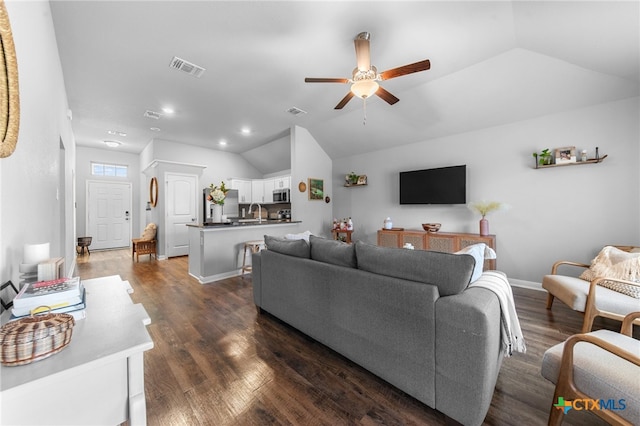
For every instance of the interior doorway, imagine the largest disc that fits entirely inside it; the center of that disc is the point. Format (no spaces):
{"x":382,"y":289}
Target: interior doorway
{"x":109,"y":214}
{"x":182,"y":208}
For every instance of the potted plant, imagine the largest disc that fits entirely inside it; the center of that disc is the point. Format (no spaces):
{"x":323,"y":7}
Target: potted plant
{"x":353,"y":178}
{"x":484,"y":208}
{"x":544,"y":158}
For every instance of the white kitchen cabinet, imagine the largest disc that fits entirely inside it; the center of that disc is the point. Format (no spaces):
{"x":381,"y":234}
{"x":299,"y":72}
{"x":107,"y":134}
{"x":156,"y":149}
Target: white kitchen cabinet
{"x":283,"y":182}
{"x":244,"y":189}
{"x":269,"y":186}
{"x":257,"y":191}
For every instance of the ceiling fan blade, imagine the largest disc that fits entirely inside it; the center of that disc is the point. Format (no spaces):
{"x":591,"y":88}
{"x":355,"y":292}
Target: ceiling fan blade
{"x":344,"y":100}
{"x":363,"y":53}
{"x":406,"y":69}
{"x":386,"y":96}
{"x":326,"y":80}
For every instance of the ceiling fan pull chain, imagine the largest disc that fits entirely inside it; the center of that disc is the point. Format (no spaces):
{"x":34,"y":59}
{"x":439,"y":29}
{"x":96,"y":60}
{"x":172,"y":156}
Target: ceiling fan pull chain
{"x":364,"y":120}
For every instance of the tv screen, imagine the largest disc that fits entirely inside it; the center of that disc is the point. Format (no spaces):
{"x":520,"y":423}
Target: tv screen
{"x":444,"y":185}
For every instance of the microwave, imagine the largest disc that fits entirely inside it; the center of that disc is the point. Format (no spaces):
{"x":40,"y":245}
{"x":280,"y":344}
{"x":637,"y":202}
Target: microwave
{"x":281,"y":196}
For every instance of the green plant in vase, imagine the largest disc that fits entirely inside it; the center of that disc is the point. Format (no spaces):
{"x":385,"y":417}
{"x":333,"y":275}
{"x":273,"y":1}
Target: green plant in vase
{"x":353,"y":178}
{"x":544,"y":158}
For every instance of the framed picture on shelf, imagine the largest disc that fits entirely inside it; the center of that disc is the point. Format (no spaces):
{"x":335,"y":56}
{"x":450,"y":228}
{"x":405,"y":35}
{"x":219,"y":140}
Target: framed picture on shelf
{"x":316,"y":189}
{"x":362,"y":180}
{"x":566,"y":155}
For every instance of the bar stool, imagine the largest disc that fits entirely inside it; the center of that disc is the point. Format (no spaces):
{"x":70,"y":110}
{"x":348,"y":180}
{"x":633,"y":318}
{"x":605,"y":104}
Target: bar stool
{"x":255,"y":247}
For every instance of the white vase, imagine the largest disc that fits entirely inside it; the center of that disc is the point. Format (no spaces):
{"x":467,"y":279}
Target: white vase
{"x":216,"y":213}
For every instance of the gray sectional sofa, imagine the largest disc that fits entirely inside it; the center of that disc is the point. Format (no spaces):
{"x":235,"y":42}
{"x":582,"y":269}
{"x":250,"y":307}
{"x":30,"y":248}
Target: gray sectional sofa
{"x":406,"y":316}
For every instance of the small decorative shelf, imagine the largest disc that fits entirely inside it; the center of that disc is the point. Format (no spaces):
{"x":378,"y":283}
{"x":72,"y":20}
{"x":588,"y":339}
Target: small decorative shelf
{"x":577,"y":163}
{"x":355,"y":180}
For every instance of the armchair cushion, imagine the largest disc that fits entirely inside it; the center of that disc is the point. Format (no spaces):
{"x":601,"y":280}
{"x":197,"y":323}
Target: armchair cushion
{"x":574,"y":291}
{"x":601,"y":374}
{"x":612,"y":262}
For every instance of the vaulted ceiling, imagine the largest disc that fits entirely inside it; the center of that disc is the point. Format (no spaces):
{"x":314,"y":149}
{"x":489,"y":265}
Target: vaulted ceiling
{"x":492,"y":63}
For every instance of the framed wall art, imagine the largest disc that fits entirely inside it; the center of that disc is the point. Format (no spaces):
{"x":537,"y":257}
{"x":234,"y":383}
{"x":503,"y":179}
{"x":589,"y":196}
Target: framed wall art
{"x":316,"y":189}
{"x":566,"y":155}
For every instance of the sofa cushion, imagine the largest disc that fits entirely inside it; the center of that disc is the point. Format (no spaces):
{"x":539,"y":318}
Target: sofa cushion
{"x":480,"y":252}
{"x":449,"y":272}
{"x":332,"y":251}
{"x":297,"y":248}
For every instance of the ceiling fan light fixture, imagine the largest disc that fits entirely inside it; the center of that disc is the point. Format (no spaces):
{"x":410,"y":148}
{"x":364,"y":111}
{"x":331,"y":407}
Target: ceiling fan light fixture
{"x":364,"y":88}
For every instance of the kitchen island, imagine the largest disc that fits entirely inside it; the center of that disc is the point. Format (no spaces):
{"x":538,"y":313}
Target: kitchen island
{"x":215,"y":251}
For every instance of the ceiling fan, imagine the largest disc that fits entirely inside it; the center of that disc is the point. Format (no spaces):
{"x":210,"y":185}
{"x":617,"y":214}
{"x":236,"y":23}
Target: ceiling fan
{"x":365,"y":77}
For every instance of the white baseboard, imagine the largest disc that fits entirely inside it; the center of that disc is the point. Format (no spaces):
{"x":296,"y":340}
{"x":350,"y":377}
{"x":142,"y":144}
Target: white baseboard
{"x":526,"y":284}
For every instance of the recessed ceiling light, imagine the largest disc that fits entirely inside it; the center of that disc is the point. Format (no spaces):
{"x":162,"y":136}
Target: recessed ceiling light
{"x":245,"y":131}
{"x":168,"y":110}
{"x":117,"y":133}
{"x":152,"y":114}
{"x":222,"y":142}
{"x":155,"y":129}
{"x":112,"y":144}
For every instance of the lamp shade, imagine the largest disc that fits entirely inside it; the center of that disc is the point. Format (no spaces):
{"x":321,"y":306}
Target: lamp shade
{"x":364,"y":88}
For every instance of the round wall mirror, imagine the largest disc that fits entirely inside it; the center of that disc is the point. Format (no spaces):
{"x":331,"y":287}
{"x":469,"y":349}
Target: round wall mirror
{"x":153,"y":191}
{"x":9,"y":96}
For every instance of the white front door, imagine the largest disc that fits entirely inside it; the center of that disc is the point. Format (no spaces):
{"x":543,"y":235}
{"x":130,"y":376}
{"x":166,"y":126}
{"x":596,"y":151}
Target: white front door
{"x":182,"y":208}
{"x":108,"y":214}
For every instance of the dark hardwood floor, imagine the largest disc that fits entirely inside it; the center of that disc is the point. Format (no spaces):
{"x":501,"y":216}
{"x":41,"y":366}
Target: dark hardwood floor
{"x":216,"y":361}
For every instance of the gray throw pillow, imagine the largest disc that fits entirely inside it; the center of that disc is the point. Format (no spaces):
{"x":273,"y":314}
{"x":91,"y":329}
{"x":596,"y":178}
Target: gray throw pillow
{"x":297,"y":248}
{"x":332,"y":251}
{"x":449,"y":272}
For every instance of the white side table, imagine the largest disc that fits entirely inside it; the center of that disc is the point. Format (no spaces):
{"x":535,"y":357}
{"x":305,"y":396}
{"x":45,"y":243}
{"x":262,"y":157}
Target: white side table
{"x":97,"y":379}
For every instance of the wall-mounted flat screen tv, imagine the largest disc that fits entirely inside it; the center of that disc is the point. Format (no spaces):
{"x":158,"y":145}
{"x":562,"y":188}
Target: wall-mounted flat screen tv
{"x":443,"y":185}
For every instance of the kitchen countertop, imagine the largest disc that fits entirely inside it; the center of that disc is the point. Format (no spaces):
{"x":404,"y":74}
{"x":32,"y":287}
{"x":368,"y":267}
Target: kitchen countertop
{"x":218,"y":251}
{"x":243,"y":224}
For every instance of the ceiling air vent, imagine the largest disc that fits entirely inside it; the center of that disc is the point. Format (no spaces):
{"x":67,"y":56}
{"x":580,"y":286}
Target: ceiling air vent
{"x":186,"y":66}
{"x":296,"y":111}
{"x":152,"y":114}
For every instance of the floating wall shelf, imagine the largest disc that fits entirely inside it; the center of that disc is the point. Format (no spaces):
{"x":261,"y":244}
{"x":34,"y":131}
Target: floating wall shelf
{"x":577,"y":163}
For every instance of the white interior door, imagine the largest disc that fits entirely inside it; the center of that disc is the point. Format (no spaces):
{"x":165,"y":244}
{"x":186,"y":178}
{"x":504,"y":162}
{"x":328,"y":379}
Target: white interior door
{"x":109,"y":214}
{"x":182,"y":208}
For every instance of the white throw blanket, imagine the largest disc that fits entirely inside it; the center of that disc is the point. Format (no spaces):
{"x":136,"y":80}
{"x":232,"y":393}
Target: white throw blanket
{"x":512,"y":338}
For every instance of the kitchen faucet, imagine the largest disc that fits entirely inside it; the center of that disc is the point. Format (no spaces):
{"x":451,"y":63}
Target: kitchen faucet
{"x":259,"y":211}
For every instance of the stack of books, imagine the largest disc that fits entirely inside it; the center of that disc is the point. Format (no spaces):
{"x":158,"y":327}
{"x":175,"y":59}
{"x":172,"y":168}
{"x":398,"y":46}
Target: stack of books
{"x":64,"y":295}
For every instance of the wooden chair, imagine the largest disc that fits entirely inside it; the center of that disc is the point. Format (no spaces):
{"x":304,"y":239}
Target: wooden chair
{"x":597,"y":366}
{"x":143,"y":247}
{"x":591,"y":298}
{"x":147,"y":244}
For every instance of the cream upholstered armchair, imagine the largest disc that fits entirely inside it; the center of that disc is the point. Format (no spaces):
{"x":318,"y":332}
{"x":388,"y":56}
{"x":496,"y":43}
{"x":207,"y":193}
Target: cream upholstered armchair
{"x":609,"y":287}
{"x":599,"y":366}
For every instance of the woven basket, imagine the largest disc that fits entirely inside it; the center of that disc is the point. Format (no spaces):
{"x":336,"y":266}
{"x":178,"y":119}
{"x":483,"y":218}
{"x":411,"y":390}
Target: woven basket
{"x":34,"y":338}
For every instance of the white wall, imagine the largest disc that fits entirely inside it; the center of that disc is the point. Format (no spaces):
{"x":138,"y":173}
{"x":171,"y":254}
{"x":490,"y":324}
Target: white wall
{"x":220,"y":165}
{"x":308,"y":160}
{"x":37,"y":179}
{"x":558,"y":213}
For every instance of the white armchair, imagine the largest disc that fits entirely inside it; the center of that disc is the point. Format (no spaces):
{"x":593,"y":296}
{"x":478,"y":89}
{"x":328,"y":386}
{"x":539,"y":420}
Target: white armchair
{"x":600,"y":295}
{"x":599,"y":365}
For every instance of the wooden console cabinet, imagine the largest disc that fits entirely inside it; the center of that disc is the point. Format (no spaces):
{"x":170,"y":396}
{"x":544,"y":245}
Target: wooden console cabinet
{"x":448,"y":242}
